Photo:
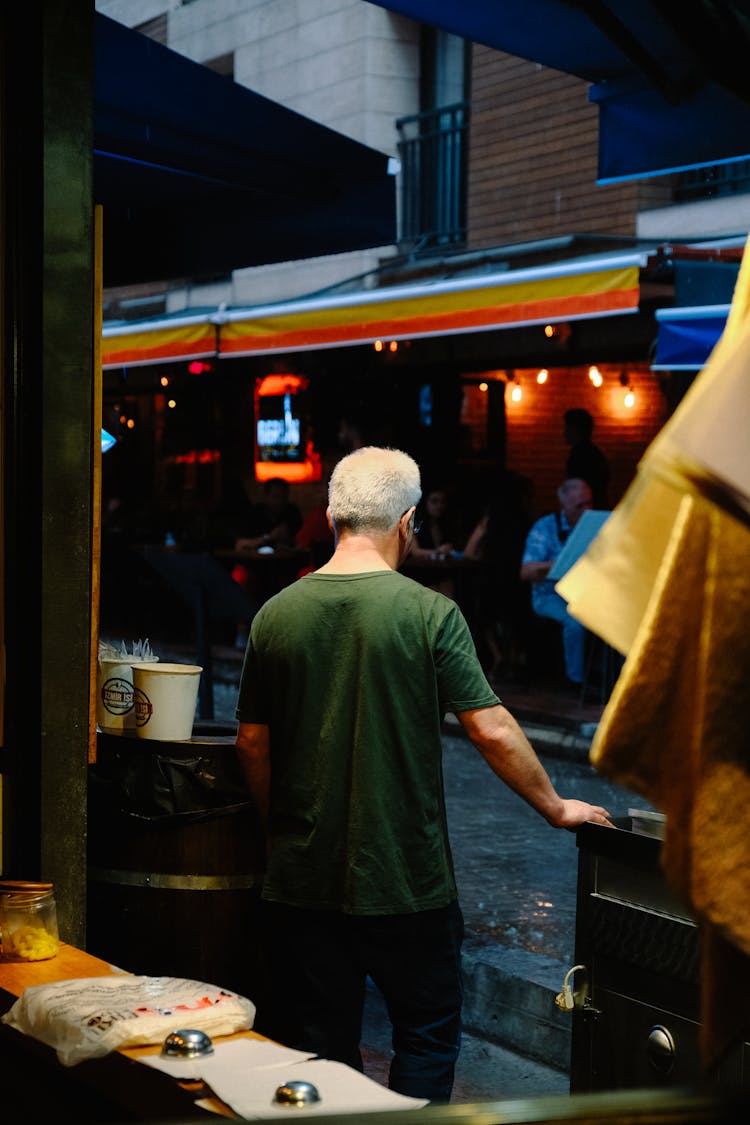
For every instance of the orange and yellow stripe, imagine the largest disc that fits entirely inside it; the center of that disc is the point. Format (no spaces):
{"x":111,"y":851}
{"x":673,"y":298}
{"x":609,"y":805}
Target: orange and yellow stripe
{"x":159,"y":344}
{"x":599,"y":293}
{"x":512,"y":300}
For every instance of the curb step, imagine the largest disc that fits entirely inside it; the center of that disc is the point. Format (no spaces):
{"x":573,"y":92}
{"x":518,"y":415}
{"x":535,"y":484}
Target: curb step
{"x":509,"y":999}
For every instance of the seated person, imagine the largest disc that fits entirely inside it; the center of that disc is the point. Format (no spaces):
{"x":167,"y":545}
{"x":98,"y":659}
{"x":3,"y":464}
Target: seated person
{"x":275,"y":521}
{"x":437,"y":532}
{"x":315,"y":537}
{"x":543,"y":544}
{"x":436,"y":538}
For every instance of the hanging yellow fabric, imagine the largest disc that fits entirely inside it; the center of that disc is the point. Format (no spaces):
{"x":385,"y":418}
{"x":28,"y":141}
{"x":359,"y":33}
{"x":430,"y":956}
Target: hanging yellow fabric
{"x":667,"y":582}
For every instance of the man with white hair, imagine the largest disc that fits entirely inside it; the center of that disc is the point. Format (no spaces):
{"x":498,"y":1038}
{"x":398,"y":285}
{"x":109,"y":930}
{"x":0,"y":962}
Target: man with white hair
{"x":544,"y":542}
{"x":347,"y":676}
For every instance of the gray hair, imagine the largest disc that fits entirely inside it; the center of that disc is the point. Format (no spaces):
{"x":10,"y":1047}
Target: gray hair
{"x":371,"y":488}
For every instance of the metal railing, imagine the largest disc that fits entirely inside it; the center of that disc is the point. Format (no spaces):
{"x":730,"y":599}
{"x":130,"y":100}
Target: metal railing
{"x":433,"y":149}
{"x":713,"y":180}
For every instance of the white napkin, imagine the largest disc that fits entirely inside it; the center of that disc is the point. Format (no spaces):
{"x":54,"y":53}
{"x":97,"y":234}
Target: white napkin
{"x":245,"y":1074}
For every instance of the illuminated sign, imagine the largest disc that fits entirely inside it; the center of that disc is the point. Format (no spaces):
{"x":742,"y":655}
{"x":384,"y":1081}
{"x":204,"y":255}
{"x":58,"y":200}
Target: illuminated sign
{"x":281,"y":445}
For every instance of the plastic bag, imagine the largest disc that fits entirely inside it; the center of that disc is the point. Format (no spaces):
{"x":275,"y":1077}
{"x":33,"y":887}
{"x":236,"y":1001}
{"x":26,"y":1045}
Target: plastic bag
{"x":166,"y":785}
{"x":88,"y":1017}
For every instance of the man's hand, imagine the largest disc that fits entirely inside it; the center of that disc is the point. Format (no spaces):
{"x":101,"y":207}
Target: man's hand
{"x":574,"y":813}
{"x":535,"y":571}
{"x":508,"y":752}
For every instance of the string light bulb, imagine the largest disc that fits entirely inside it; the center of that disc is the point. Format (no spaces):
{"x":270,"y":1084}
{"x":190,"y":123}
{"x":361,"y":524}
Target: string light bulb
{"x":516,"y":394}
{"x":393,"y":346}
{"x":484,"y":387}
{"x":378,"y":345}
{"x":542,"y":376}
{"x":595,"y":375}
{"x":629,"y":399}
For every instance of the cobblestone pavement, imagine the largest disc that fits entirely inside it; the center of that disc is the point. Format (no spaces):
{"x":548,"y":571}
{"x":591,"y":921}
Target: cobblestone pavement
{"x":516,"y":875}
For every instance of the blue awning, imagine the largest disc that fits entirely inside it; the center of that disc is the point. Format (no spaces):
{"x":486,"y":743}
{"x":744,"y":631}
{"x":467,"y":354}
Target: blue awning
{"x":199,"y":175}
{"x":687,"y":336}
{"x":669,"y":80}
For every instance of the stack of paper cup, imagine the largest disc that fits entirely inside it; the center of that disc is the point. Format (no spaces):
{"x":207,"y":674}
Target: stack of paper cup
{"x":115,"y":713}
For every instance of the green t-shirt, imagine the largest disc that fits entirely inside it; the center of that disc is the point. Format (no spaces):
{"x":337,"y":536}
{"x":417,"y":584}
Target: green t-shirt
{"x":353,"y":674}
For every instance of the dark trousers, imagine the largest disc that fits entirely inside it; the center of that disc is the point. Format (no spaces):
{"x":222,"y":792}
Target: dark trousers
{"x":319,"y":962}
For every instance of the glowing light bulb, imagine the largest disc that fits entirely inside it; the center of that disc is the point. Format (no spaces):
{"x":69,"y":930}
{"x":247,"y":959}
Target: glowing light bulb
{"x":130,"y":424}
{"x":516,"y":394}
{"x":542,"y":375}
{"x":164,"y":381}
{"x":549,"y":330}
{"x":595,"y":376}
{"x":629,"y":400}
{"x":393,"y":346}
{"x":378,"y":345}
{"x":171,"y":404}
{"x":484,"y":387}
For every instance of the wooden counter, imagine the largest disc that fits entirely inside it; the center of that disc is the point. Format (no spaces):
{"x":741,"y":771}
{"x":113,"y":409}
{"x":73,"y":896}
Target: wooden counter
{"x":115,"y":1088}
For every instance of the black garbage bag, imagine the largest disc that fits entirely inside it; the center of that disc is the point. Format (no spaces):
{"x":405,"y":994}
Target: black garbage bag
{"x":166,"y":781}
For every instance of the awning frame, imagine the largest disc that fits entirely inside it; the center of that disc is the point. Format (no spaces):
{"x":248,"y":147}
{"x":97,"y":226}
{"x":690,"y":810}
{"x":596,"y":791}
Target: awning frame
{"x":576,"y":289}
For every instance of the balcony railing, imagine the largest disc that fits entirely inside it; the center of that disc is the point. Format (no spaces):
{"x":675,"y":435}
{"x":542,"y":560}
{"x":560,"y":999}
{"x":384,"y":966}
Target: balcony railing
{"x":712,"y":181}
{"x":433,"y":150}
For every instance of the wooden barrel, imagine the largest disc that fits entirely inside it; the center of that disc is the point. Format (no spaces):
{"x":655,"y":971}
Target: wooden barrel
{"x":175,"y":861}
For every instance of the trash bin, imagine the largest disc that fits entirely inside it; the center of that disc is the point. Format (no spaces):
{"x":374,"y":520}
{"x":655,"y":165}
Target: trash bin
{"x":175,"y":861}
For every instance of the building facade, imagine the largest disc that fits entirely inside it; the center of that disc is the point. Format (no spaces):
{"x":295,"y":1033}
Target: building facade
{"x":498,"y":166}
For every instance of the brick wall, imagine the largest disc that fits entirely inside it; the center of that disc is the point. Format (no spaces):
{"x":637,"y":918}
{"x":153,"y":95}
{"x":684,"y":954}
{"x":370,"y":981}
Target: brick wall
{"x":533,"y":157}
{"x":535,"y":441}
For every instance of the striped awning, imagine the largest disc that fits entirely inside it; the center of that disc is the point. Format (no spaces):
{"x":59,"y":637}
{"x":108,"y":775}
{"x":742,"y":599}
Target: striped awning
{"x":571,"y":290}
{"x":541,"y":295}
{"x":160,"y":340}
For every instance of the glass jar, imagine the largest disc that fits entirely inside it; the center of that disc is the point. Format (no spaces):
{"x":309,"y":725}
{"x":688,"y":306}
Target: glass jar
{"x":28,"y":921}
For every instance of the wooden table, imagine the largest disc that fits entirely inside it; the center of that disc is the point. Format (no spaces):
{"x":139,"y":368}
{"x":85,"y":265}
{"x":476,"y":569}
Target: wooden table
{"x":273,"y":569}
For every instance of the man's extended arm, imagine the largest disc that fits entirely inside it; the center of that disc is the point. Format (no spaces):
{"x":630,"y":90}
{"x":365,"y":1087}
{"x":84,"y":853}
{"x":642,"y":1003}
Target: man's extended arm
{"x":501,"y":742}
{"x":253,"y":749}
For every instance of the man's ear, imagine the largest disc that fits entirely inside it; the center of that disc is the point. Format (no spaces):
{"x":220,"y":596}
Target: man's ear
{"x":403,"y":523}
{"x":331,"y":522}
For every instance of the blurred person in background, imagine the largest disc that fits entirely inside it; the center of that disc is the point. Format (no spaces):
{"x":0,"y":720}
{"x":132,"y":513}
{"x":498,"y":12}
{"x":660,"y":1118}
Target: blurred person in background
{"x":586,"y":460}
{"x":437,"y":535}
{"x":545,"y":540}
{"x":502,"y":599}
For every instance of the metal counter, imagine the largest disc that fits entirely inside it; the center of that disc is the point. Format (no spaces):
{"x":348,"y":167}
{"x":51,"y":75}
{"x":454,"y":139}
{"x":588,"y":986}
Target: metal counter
{"x":636,"y":1014}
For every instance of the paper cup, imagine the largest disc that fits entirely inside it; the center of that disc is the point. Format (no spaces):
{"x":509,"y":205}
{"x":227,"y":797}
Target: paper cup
{"x":115,"y":712}
{"x":165,"y":700}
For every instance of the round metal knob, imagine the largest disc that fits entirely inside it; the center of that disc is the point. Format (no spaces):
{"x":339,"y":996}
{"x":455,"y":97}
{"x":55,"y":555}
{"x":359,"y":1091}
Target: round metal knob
{"x":187,"y":1043}
{"x":296,"y":1093}
{"x":660,"y":1048}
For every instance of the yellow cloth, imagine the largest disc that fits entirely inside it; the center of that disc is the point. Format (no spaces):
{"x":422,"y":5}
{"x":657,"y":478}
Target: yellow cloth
{"x":667,"y":583}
